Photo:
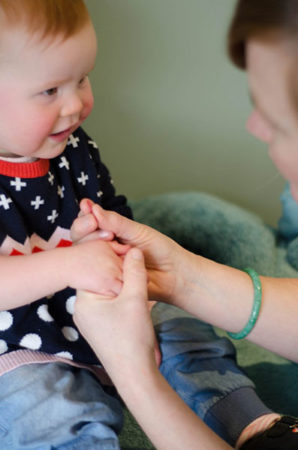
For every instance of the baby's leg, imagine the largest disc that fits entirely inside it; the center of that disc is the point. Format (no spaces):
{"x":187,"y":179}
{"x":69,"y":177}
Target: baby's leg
{"x":202,"y":368}
{"x":57,"y":406}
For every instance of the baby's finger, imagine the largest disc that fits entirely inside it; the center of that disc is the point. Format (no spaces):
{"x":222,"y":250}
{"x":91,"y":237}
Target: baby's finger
{"x":117,"y":287}
{"x":86,"y":205}
{"x":110,"y":293}
{"x":119,"y":249}
{"x":99,"y":235}
{"x":82,"y":226}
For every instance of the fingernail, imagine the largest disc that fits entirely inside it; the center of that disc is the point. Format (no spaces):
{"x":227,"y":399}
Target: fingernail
{"x":136,"y":254}
{"x":104,"y":234}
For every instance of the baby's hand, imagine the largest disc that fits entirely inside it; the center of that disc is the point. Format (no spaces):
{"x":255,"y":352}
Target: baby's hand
{"x":95,"y":266}
{"x":85,"y":226}
{"x":120,"y":329}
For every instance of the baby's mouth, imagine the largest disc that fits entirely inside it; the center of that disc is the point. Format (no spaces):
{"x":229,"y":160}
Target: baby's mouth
{"x":61,"y":135}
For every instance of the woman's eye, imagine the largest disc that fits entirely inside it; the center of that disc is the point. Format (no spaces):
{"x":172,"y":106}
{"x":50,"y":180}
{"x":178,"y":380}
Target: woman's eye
{"x":50,"y":92}
{"x":82,"y":80}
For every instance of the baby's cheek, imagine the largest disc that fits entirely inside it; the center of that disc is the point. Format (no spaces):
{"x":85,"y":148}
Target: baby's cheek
{"x":88,"y":106}
{"x":44,"y":127}
{"x":36,"y":131}
{"x":86,"y":111}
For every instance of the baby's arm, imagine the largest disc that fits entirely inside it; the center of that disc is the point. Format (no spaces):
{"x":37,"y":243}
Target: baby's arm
{"x":93,"y":266}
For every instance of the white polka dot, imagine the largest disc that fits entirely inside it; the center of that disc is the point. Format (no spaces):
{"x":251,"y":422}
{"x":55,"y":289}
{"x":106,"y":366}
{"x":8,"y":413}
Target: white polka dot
{"x":43,"y":313}
{"x":31,"y":341}
{"x":6,"y":320}
{"x":70,"y":302}
{"x":64,"y":355}
{"x":70,"y":334}
{"x":3,"y":346}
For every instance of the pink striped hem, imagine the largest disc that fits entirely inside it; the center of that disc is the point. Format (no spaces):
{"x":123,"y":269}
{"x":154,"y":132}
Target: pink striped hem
{"x":12,"y":360}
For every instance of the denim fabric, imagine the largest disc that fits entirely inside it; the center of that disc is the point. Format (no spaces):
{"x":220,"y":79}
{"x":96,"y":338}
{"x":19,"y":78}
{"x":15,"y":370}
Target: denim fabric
{"x":288,"y":223}
{"x":202,"y":368}
{"x":59,"y":407}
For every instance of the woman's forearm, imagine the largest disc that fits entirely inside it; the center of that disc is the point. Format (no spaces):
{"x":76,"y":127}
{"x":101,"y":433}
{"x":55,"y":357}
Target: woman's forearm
{"x":223,"y":296}
{"x":163,"y":416}
{"x":121,"y":333}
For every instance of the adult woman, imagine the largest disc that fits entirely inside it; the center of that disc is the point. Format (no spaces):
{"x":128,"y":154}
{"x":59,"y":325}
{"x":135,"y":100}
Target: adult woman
{"x":263,"y":39}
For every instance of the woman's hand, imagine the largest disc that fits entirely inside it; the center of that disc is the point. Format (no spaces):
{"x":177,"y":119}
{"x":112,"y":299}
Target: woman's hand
{"x":120,"y":332}
{"x":166,"y":262}
{"x":120,"y":329}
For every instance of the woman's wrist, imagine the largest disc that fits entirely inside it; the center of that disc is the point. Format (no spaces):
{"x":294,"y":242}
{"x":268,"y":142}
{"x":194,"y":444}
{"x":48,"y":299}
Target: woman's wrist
{"x":215,"y":293}
{"x":131,"y":375}
{"x":187,"y":283}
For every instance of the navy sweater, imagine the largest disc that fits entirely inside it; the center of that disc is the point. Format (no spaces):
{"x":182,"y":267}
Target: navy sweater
{"x":38,"y":203}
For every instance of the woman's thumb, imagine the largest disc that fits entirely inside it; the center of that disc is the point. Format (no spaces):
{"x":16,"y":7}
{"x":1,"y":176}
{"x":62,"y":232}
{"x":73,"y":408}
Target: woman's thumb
{"x":134,"y":273}
{"x":125,"y":229}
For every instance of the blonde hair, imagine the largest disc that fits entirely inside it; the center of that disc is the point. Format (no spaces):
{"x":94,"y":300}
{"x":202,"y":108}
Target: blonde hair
{"x":46,"y":17}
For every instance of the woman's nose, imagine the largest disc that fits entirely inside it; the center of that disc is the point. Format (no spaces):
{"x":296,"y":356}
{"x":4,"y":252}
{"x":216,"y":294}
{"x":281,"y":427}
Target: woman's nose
{"x":258,"y":127}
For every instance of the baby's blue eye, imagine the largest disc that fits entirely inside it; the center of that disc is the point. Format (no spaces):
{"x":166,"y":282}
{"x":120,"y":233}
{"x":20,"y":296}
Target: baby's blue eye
{"x":51,"y":91}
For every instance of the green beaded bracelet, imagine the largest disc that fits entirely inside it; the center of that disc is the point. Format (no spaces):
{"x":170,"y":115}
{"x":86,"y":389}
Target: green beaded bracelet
{"x":256,"y":306}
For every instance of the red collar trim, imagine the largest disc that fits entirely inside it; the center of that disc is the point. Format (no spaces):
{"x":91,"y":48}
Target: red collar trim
{"x":33,"y":169}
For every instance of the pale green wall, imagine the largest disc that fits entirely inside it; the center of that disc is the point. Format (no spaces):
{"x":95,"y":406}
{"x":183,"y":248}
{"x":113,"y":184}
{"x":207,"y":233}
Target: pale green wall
{"x":170,"y":109}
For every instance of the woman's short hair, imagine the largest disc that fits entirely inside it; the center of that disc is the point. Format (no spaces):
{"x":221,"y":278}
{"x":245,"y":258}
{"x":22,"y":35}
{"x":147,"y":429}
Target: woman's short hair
{"x":258,"y":19}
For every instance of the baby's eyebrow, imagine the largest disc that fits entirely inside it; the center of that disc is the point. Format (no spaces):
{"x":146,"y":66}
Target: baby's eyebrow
{"x":48,"y":84}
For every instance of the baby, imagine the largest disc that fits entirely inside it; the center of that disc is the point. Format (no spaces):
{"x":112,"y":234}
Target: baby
{"x":47,"y":165}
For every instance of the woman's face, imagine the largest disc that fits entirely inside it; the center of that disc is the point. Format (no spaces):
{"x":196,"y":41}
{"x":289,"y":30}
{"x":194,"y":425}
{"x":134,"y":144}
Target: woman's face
{"x":270,"y":66}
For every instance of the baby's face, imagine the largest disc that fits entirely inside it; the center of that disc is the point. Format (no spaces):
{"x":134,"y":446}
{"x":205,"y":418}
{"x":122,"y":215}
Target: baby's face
{"x":45,"y":93}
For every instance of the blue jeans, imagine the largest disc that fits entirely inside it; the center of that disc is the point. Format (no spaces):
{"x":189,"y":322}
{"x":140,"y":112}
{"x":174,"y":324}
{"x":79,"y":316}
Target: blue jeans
{"x":202,"y":369}
{"x":58,"y":407}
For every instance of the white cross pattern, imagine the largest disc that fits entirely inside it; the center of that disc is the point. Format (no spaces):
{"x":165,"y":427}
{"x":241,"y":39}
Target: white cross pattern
{"x":53,"y":217}
{"x":37,"y":202}
{"x":60,"y":191}
{"x":51,"y":178}
{"x":18,"y":184}
{"x":99,"y":194}
{"x":4,"y":201}
{"x":73,"y":141}
{"x":64,"y":163}
{"x":94,"y":145}
{"x":83,"y":178}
